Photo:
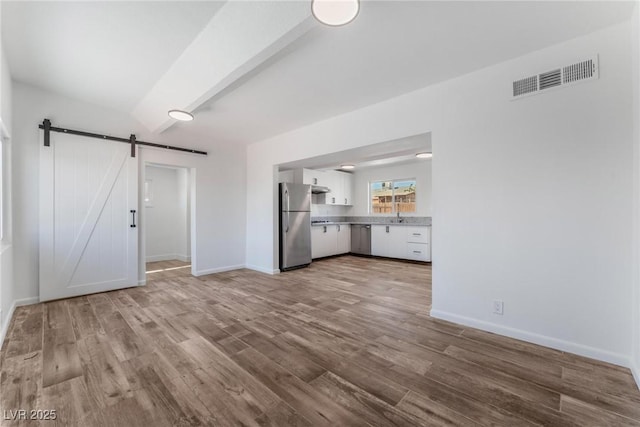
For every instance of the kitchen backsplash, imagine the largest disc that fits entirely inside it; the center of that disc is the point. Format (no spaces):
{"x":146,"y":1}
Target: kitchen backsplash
{"x":329,"y":210}
{"x":418,"y":220}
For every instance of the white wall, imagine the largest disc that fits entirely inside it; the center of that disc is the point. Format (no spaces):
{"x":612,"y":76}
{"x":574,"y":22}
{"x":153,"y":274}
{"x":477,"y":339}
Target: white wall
{"x":216,"y":189}
{"x":532,"y":199}
{"x":183,"y":243}
{"x":420,"y":170}
{"x":5,"y":93}
{"x":6,"y":248}
{"x":218,"y":180}
{"x":166,"y":227}
{"x":635,"y":46}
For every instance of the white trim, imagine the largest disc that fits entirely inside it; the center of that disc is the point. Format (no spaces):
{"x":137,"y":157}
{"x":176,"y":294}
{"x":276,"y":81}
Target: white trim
{"x":4,"y":132}
{"x":635,"y":370}
{"x":12,"y":309}
{"x":26,"y":301}
{"x":547,"y":341}
{"x":167,"y":257}
{"x":218,"y":270}
{"x":263,"y":270}
{"x":6,"y":323}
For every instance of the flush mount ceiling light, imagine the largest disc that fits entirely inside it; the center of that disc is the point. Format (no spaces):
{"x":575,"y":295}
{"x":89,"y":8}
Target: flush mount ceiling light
{"x":348,"y":167}
{"x":335,"y":12}
{"x":424,"y":155}
{"x":183,"y":116}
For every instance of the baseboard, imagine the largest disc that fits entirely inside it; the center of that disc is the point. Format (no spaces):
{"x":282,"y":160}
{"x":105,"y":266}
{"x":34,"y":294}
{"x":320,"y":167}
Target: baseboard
{"x":218,"y":270}
{"x":167,"y":257}
{"x":26,"y":301}
{"x":235,"y":267}
{"x":12,"y":309}
{"x":635,"y":370}
{"x":6,"y":323}
{"x":263,"y":270}
{"x":558,"y":344}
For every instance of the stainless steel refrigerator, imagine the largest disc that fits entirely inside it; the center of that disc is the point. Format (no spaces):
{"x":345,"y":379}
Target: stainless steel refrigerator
{"x":295,"y":225}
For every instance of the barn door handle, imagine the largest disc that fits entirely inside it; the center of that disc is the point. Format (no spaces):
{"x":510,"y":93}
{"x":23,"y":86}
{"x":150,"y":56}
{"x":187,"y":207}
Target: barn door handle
{"x":133,"y":218}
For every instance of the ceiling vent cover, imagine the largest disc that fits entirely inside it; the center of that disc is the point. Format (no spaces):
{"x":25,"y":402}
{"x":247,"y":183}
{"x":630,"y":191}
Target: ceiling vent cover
{"x":560,"y":77}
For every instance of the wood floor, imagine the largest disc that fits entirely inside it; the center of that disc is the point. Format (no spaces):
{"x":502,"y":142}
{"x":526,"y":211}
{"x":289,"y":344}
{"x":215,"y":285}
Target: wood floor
{"x":346,"y":342}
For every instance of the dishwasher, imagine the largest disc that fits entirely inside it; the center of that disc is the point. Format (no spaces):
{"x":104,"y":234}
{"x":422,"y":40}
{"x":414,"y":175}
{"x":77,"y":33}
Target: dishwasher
{"x":361,"y":239}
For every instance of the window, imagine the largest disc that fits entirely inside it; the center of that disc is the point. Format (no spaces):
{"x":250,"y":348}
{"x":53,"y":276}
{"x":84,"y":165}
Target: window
{"x":390,"y":197}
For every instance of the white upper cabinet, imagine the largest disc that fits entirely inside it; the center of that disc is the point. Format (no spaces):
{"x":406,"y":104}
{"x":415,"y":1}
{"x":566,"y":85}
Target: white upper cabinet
{"x":347,"y":188}
{"x":311,"y":177}
{"x":335,"y":184}
{"x":340,"y":184}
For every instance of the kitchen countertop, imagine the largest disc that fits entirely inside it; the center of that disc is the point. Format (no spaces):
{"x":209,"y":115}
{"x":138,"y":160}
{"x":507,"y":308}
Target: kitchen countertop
{"x":406,"y":224}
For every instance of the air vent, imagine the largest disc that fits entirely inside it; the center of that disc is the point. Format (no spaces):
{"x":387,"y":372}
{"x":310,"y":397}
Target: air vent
{"x":565,"y":75}
{"x":580,"y":71}
{"x":524,"y":86}
{"x":550,"y":79}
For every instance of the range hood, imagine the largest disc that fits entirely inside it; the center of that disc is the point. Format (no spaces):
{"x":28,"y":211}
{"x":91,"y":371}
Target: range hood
{"x":319,"y":189}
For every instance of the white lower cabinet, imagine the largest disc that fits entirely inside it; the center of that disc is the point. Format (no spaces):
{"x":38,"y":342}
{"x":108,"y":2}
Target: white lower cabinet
{"x":418,"y":252}
{"x":388,"y":241}
{"x":328,"y":240}
{"x":344,"y":238}
{"x":391,"y":241}
{"x":324,"y":241}
{"x":401,"y":241}
{"x":419,"y":243}
{"x":316,"y":236}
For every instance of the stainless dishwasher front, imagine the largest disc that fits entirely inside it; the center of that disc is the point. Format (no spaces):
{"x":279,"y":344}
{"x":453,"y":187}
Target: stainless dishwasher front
{"x":361,"y":239}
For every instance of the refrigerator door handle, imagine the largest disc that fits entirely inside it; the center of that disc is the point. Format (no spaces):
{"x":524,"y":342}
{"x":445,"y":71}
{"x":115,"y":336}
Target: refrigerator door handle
{"x":286,"y":195}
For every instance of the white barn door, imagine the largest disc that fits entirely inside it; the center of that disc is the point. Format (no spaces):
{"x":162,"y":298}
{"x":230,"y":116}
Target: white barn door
{"x":88,"y":189}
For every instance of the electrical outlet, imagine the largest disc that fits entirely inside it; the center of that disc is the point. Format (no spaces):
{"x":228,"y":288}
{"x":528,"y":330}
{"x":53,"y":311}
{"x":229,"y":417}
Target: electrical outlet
{"x":498,"y":307}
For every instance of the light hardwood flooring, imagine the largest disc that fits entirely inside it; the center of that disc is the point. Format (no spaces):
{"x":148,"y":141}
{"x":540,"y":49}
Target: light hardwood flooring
{"x":346,"y":342}
{"x":167,"y":269}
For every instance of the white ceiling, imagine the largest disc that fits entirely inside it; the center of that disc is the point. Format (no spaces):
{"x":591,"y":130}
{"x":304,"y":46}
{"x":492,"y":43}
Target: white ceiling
{"x":390,"y":49}
{"x":106,"y":53}
{"x":397,"y":151}
{"x":113,"y":53}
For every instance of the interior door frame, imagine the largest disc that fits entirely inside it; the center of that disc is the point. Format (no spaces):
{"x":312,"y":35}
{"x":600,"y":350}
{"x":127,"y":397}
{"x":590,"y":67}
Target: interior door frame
{"x":142,"y":233}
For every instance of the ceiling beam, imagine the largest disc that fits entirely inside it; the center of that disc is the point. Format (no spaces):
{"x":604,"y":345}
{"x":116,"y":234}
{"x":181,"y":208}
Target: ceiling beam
{"x":239,"y":37}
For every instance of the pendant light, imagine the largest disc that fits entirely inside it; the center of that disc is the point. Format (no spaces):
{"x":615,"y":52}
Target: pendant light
{"x":335,"y":12}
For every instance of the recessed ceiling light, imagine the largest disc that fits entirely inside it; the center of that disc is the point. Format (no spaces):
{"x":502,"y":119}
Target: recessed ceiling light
{"x":347,"y":166}
{"x":424,"y":155}
{"x":183,"y":116}
{"x":335,"y":12}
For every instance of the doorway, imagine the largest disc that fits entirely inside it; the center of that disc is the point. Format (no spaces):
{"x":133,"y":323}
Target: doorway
{"x":166,"y":201}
